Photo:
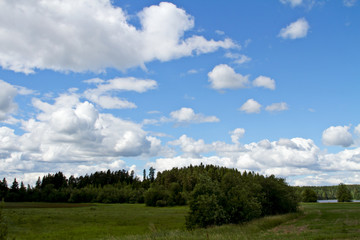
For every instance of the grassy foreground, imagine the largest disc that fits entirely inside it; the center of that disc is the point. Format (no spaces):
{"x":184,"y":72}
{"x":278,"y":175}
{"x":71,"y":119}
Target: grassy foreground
{"x":135,"y":221}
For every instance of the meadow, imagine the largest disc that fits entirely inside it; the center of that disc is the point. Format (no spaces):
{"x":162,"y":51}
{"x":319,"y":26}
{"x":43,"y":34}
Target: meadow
{"x":136,"y":221}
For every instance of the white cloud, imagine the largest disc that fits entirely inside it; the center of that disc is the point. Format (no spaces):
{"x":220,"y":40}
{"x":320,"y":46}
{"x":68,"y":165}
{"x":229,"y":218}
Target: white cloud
{"x":70,"y":130}
{"x":125,"y":84}
{"x":101,"y":95}
{"x":263,"y":81}
{"x":349,"y":3}
{"x":94,"y":35}
{"x":242,"y":59}
{"x":251,"y":106}
{"x":224,"y":77}
{"x":357,"y":130}
{"x":286,"y":157}
{"x":108,"y":102}
{"x":293,"y":3}
{"x":277,"y":107}
{"x":347,"y":160}
{"x":183,"y":116}
{"x":187,"y":115}
{"x":190,"y":147}
{"x":7,"y":104}
{"x":239,"y":58}
{"x":297,"y":29}
{"x":338,"y":135}
{"x":236,"y":134}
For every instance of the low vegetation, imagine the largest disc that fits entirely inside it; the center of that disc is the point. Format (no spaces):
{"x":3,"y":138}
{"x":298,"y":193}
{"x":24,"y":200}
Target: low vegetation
{"x":136,"y":221}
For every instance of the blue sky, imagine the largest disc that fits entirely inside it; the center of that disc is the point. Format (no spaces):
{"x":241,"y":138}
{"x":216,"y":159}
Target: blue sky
{"x":264,"y":86}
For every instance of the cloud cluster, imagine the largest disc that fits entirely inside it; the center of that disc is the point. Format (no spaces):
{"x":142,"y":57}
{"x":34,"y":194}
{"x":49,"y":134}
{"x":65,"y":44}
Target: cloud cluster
{"x":93,"y":35}
{"x":286,"y":157}
{"x":252,"y":106}
{"x":68,"y":132}
{"x":297,"y":29}
{"x":224,"y":77}
{"x":101,"y":95}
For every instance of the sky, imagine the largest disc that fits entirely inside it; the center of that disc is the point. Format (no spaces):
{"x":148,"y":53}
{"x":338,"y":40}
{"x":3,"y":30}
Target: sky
{"x":264,"y":86}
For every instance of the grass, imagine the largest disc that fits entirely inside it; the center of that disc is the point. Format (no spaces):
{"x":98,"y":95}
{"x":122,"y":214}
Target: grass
{"x":136,"y":221}
{"x":84,"y":221}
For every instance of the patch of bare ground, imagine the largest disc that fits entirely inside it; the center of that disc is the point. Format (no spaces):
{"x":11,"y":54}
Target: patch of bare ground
{"x":290,"y":229}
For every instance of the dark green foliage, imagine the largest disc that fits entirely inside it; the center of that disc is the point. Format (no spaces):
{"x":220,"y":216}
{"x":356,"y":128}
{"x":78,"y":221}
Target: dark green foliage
{"x":156,"y":196}
{"x":343,"y":194}
{"x":152,"y":174}
{"x":226,"y":196}
{"x":205,"y":205}
{"x":3,"y":189}
{"x":240,"y":198}
{"x":309,"y":195}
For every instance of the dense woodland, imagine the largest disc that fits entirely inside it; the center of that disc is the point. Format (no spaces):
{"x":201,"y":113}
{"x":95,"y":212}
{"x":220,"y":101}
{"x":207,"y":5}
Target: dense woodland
{"x":215,"y":195}
{"x":330,"y":192}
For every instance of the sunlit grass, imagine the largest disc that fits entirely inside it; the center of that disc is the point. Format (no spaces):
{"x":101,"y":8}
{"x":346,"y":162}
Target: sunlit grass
{"x":136,"y":221}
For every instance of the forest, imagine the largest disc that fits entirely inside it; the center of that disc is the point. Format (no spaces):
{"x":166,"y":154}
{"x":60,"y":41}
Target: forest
{"x":215,"y":195}
{"x":331,"y":192}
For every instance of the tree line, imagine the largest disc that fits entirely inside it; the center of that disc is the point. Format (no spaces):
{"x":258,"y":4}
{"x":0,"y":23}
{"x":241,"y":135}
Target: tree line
{"x":341,"y":192}
{"x":215,"y":195}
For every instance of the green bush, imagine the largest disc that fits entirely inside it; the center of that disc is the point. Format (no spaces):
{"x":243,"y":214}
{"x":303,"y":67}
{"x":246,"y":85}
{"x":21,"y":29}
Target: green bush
{"x":309,"y":195}
{"x":343,"y":194}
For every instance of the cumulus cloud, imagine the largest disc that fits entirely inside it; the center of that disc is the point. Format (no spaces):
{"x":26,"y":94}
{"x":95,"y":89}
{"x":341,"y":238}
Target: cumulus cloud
{"x":349,"y":3}
{"x":277,"y":107}
{"x":94,"y":35}
{"x":236,"y":134}
{"x":347,"y":160}
{"x":286,"y":157}
{"x":265,"y":82}
{"x":337,"y":136}
{"x":224,"y":77}
{"x":251,"y":106}
{"x":70,"y":130}
{"x":191,"y":147}
{"x":101,"y":95}
{"x":7,"y":95}
{"x":293,"y":3}
{"x":187,"y":115}
{"x":297,"y":29}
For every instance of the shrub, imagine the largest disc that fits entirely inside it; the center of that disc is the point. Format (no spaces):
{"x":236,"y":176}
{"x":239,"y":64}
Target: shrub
{"x":343,"y":194}
{"x":309,"y":195}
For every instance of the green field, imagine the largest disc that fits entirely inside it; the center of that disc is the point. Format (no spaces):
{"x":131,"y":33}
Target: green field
{"x":136,"y":221}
